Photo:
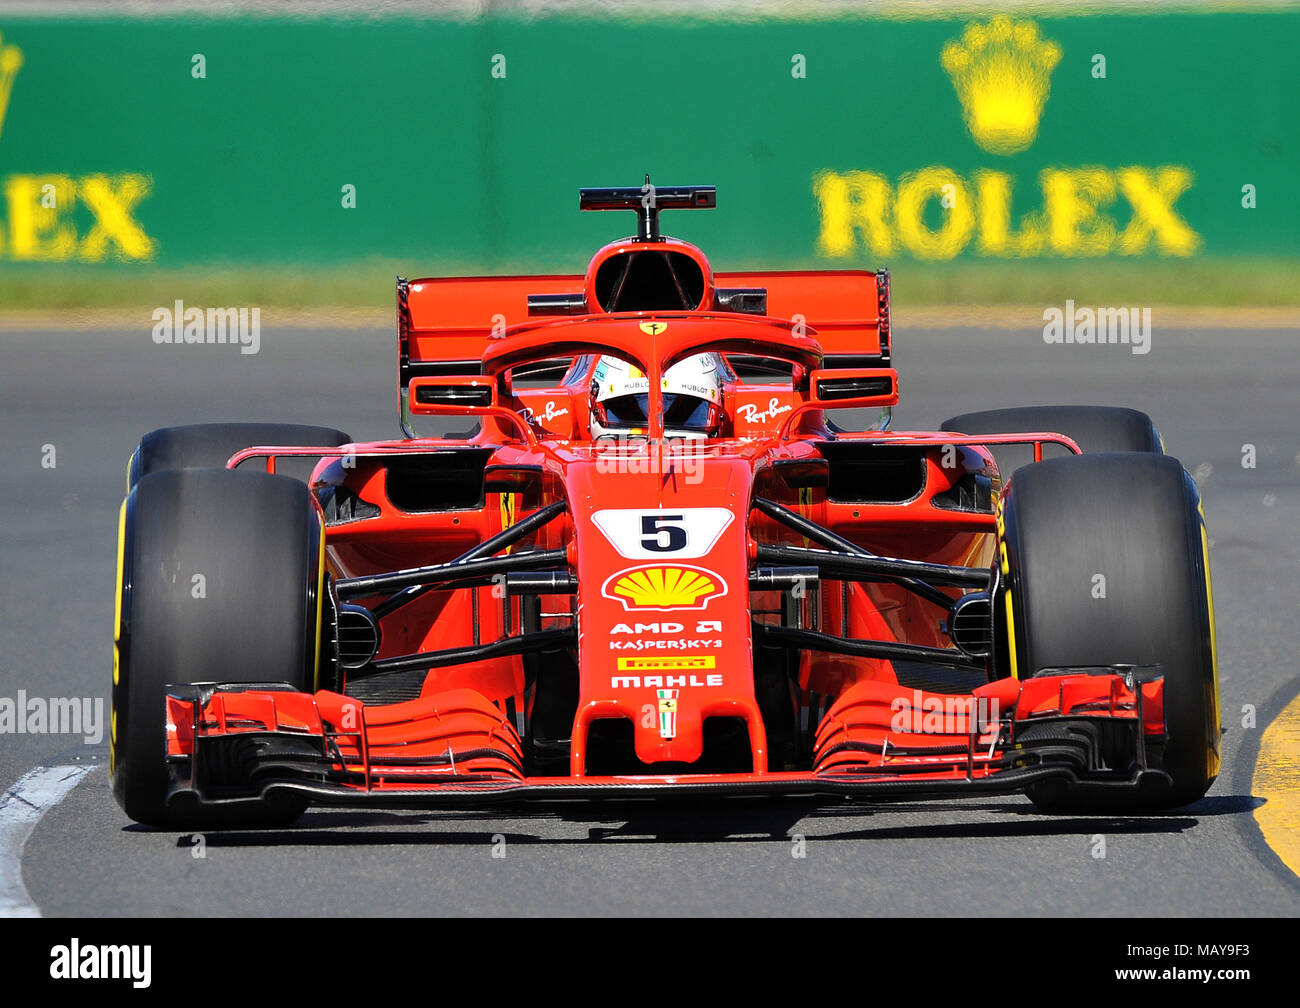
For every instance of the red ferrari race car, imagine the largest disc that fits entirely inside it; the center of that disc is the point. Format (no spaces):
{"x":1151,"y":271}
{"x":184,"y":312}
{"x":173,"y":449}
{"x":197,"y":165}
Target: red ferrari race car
{"x":662,"y":563}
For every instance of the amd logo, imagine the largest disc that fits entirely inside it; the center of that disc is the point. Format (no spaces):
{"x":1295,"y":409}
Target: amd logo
{"x":668,"y":627}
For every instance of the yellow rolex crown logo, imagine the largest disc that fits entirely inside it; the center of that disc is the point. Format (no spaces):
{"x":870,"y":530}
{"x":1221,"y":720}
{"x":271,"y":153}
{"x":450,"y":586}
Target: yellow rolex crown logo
{"x":1001,"y":72}
{"x":11,"y":59}
{"x":656,"y":587}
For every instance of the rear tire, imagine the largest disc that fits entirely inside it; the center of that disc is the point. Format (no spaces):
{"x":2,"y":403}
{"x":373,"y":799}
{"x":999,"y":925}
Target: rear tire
{"x":1109,"y":564}
{"x":209,"y":446}
{"x":220,"y":580}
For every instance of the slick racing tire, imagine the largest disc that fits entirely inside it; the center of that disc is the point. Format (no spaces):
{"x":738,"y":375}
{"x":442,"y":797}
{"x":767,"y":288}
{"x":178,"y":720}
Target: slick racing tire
{"x":220,"y":579}
{"x":1092,"y":428}
{"x":1107,"y":562}
{"x":209,"y":446}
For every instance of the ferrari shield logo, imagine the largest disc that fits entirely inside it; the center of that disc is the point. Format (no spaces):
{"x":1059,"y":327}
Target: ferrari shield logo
{"x":653,"y":328}
{"x":668,"y":713}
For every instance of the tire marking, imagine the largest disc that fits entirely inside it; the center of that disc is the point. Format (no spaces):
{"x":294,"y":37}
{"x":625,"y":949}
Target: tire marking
{"x":1277,"y":780}
{"x":21,"y":808}
{"x":320,"y":595}
{"x":117,"y":605}
{"x":1011,"y":637}
{"x":1216,"y":718}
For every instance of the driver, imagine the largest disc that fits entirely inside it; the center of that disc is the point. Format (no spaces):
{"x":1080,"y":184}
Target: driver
{"x":692,"y":395}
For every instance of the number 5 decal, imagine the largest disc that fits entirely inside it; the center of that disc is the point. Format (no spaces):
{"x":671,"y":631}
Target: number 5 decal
{"x":660,"y":534}
{"x":682,"y":534}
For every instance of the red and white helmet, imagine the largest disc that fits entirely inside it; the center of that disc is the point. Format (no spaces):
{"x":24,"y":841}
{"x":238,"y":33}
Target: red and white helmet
{"x":692,"y":394}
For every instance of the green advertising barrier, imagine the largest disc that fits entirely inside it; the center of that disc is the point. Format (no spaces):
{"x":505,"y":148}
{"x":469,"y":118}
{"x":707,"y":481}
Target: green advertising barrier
{"x":459,"y":145}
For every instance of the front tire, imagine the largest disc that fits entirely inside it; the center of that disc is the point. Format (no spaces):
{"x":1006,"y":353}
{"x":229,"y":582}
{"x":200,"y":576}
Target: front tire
{"x":220,"y":580}
{"x":1108,"y":563}
{"x":1092,"y":428}
{"x":209,"y":446}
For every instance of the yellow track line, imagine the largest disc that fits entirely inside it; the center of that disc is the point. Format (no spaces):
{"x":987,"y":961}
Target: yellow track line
{"x":1277,"y":781}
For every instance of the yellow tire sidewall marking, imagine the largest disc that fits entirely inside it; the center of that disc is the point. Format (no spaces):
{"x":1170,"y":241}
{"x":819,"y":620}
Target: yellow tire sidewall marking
{"x":1215,"y":722}
{"x":117,"y":637}
{"x":320,"y":598}
{"x":1011,"y":636}
{"x":1004,"y":564}
{"x":117,"y":602}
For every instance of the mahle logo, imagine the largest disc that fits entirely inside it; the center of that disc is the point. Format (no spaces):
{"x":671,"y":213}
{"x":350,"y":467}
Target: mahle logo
{"x":1002,"y":75}
{"x":1001,"y":71}
{"x":40,"y":222}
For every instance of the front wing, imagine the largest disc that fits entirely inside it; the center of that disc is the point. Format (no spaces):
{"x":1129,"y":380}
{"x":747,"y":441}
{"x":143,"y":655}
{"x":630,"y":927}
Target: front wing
{"x":231,"y":744}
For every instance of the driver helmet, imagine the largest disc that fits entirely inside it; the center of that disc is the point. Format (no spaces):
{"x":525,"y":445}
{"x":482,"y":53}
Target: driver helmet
{"x":692,"y":394}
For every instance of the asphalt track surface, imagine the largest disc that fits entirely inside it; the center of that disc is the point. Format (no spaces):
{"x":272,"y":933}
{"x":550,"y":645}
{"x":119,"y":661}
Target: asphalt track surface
{"x":92,"y":394}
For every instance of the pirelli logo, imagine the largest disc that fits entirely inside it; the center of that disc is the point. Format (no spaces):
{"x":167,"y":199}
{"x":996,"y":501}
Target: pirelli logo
{"x":691,"y":662}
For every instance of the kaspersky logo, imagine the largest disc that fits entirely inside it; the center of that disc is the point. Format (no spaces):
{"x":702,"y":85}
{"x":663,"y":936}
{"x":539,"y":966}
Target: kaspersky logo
{"x":664,"y":586}
{"x":1001,"y":72}
{"x":58,"y":218}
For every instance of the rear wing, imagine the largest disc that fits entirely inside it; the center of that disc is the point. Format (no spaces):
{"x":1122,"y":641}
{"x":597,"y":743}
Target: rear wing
{"x":848,"y":310}
{"x":444,"y":325}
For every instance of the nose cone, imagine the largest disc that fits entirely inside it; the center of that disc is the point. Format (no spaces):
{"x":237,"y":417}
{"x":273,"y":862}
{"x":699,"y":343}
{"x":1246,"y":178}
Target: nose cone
{"x":663,"y":595}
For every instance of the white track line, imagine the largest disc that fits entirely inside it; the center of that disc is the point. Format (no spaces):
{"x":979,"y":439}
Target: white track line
{"x":21,"y":808}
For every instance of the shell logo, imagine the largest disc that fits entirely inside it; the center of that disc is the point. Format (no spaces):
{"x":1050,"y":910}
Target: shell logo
{"x":663,"y":586}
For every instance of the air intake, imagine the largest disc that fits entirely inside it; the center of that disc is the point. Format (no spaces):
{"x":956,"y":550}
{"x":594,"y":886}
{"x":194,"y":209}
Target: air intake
{"x":358,"y":636}
{"x":970,"y":624}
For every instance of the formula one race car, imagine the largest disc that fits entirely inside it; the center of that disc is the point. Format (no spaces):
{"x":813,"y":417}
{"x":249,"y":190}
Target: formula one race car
{"x":679,"y":554}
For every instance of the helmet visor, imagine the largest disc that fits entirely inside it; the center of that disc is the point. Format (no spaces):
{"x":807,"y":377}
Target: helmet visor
{"x":688,"y":412}
{"x":626,"y":410}
{"x":681,"y":412}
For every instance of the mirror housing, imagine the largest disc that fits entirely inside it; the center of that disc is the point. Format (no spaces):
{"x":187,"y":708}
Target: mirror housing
{"x":450,"y":390}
